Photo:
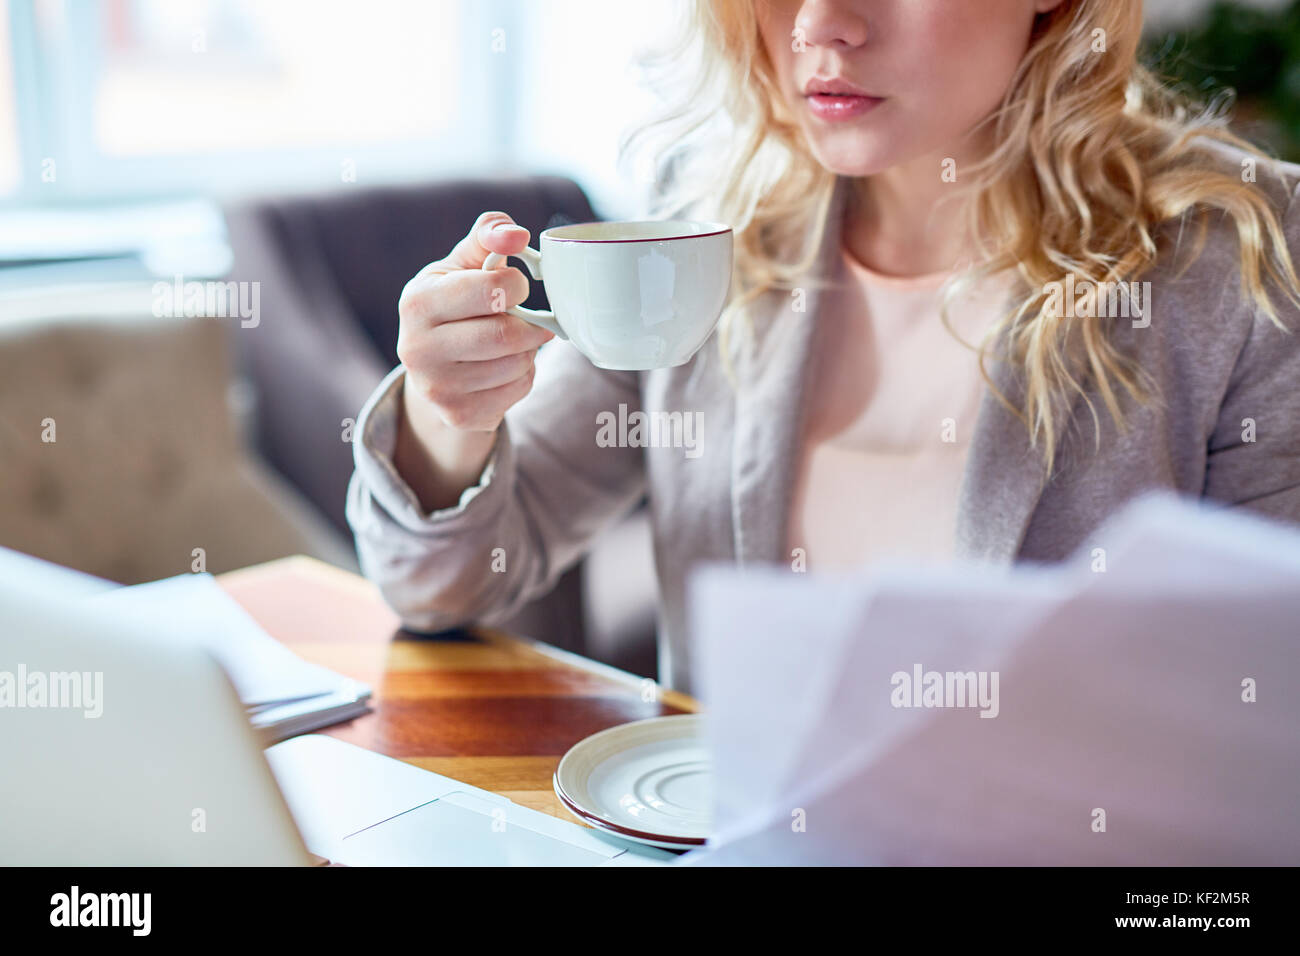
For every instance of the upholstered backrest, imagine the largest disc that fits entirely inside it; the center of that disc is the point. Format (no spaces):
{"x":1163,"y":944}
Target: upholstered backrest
{"x":118,"y":455}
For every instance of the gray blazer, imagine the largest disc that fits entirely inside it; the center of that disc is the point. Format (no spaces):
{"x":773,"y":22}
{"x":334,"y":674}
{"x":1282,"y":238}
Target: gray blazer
{"x":550,"y":486}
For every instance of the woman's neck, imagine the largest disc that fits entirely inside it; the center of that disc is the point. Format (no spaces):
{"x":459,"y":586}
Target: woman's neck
{"x":906,"y":221}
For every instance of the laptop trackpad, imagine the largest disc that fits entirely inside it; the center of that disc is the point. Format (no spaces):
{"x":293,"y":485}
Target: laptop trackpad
{"x":461,"y":830}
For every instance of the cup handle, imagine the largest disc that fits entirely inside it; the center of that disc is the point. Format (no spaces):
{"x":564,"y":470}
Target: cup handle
{"x":539,"y":317}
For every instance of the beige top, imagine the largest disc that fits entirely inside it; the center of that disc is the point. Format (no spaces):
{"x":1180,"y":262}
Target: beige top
{"x":889,"y":419}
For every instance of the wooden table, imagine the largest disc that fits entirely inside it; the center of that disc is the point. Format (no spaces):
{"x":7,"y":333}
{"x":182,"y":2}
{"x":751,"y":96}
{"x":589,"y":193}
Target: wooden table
{"x":486,"y":708}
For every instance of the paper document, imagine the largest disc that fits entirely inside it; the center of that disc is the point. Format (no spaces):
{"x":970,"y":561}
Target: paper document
{"x":283,"y":693}
{"x":1135,"y":705}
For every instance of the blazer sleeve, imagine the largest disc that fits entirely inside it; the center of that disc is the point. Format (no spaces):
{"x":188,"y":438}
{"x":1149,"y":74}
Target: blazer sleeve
{"x":546,"y":491}
{"x":1254,"y":451}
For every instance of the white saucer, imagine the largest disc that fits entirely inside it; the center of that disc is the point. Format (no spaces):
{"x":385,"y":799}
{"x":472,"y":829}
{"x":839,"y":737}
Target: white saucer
{"x":649,"y":781}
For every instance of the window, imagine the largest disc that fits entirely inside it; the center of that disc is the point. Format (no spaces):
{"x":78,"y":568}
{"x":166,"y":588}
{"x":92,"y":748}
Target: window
{"x":157,"y":98}
{"x":133,"y":100}
{"x":197,"y":75}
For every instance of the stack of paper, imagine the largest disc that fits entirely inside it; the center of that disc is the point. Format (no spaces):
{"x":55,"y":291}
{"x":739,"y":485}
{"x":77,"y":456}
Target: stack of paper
{"x":283,"y":694}
{"x":1135,"y":706}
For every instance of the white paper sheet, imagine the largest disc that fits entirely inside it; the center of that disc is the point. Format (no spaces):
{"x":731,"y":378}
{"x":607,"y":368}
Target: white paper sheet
{"x":1119,"y":692}
{"x":338,"y":793}
{"x":195,"y":608}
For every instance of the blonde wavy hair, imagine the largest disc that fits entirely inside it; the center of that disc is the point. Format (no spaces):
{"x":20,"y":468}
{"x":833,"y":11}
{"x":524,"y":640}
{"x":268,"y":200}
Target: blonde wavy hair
{"x":1092,"y":154}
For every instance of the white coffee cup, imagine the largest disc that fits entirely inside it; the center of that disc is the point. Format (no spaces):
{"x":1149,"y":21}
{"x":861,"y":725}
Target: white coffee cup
{"x":631,"y":295}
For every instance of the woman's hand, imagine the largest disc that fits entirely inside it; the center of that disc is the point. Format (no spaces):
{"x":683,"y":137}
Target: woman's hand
{"x":467,"y":361}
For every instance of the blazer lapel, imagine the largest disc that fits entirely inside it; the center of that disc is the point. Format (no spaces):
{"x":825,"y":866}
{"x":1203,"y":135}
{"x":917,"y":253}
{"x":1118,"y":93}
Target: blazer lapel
{"x":1003,"y":480}
{"x":772,"y":382}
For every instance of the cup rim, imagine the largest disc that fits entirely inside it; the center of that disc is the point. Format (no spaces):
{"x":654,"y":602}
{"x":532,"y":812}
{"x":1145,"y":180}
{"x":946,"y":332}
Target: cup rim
{"x":715,"y":229}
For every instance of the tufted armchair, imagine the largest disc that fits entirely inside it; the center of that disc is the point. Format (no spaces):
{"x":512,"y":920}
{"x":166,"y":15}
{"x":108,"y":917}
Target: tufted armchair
{"x":119,"y":453}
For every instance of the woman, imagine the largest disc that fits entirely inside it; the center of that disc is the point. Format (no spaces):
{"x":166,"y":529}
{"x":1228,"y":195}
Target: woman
{"x":908,"y":179}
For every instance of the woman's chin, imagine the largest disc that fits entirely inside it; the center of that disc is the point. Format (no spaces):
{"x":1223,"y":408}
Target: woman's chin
{"x":854,"y":156}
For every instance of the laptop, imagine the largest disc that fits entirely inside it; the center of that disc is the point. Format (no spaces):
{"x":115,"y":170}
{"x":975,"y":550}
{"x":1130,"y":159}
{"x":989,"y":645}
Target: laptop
{"x":122,"y":746}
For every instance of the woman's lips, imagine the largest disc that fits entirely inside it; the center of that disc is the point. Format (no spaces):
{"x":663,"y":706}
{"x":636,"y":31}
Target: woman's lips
{"x":837,"y":107}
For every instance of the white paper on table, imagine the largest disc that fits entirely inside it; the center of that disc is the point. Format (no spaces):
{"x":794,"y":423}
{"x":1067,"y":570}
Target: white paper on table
{"x":1119,"y":690}
{"x":193,"y":607}
{"x":28,"y":571}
